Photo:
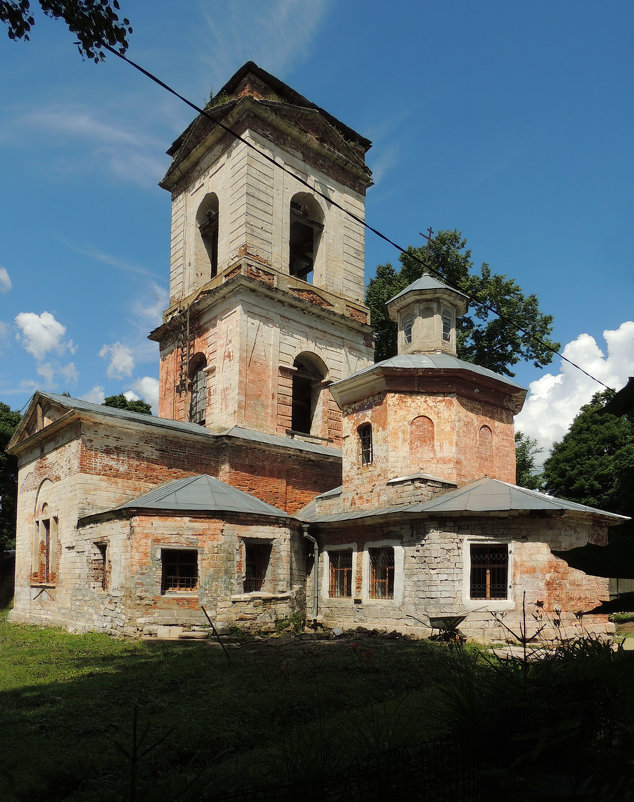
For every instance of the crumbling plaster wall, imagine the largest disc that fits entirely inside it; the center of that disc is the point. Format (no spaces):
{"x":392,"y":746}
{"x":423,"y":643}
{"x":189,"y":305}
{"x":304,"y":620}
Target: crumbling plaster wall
{"x":435,"y":575}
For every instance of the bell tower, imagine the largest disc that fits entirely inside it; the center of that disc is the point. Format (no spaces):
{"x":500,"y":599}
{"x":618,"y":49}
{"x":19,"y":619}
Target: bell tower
{"x":267,"y":274}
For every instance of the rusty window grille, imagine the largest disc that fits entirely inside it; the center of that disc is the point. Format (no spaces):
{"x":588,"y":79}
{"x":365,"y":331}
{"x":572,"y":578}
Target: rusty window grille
{"x":198,"y":403}
{"x":365,"y":440}
{"x":257,"y":557}
{"x":382,"y":573}
{"x":489,"y":572}
{"x":180,"y":570}
{"x":340,"y":572}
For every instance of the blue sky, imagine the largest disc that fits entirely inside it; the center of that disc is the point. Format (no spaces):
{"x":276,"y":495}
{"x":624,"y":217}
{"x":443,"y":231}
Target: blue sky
{"x":511,"y":122}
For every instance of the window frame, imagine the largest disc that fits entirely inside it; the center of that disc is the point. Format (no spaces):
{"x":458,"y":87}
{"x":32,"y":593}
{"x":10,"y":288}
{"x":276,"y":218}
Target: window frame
{"x":388,"y":581}
{"x":259,"y":546}
{"x":44,"y":572}
{"x":366,"y":444}
{"x":498,"y":603}
{"x":399,"y":572}
{"x":327,"y":573}
{"x":180,"y":590}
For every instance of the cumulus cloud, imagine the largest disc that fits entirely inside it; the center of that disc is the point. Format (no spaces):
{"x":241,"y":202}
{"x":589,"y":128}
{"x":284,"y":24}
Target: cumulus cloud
{"x":5,"y":280}
{"x":121,"y":360}
{"x":554,"y":400}
{"x":40,"y":334}
{"x":148,"y":389}
{"x":96,"y":395}
{"x":130,"y":396}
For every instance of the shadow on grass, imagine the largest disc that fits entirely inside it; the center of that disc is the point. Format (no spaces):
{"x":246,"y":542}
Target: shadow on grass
{"x":67,"y":707}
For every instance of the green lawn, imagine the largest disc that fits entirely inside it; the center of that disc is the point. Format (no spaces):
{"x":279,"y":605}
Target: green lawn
{"x":67,"y":705}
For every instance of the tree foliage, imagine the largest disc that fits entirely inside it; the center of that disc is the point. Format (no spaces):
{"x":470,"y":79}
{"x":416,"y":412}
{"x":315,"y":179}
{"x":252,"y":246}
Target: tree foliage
{"x":93,"y":22}
{"x":594,"y":462}
{"x":482,"y":337}
{"x":121,"y":402}
{"x":8,"y":478}
{"x":526,"y":451}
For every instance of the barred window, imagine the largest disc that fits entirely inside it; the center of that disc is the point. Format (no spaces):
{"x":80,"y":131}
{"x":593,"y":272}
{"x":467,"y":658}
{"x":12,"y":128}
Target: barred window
{"x":489,"y":572}
{"x":365,"y":441}
{"x":256,"y":558}
{"x":179,"y":570}
{"x":198,"y":402}
{"x":382,"y":573}
{"x":340,"y":572}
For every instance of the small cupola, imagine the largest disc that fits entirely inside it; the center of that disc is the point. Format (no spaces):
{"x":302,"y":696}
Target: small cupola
{"x":426,"y":312}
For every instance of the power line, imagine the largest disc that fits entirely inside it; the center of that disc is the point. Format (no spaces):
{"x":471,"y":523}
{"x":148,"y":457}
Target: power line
{"x":315,"y":191}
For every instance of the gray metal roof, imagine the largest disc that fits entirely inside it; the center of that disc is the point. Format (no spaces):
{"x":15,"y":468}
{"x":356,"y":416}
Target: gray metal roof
{"x":427,"y":282}
{"x":430,"y":362}
{"x":201,"y":493}
{"x":483,"y":495}
{"x":191,"y":428}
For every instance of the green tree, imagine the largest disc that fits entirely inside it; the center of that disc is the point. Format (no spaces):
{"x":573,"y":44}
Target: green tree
{"x":8,"y":478}
{"x":482,"y":337}
{"x":121,"y":402}
{"x":93,"y":22}
{"x":526,"y":451}
{"x":594,"y":462}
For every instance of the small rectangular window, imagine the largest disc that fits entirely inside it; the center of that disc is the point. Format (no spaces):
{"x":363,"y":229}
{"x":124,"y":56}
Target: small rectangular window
{"x":340,"y":572}
{"x":382,"y":573}
{"x":100,"y":567}
{"x":257,"y":558}
{"x":489,"y":572}
{"x":365,"y":441}
{"x":179,"y":570}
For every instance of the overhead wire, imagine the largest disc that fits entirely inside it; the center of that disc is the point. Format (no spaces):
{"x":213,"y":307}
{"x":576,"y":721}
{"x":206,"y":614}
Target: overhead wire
{"x":332,"y":202}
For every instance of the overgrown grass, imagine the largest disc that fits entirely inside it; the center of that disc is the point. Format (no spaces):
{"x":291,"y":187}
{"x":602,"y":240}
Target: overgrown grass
{"x":67,"y":705}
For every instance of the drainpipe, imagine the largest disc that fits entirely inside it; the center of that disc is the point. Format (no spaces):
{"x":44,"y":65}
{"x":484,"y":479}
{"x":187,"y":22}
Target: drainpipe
{"x":305,"y":528}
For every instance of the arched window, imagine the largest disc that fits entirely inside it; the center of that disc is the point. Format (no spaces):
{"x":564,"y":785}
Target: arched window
{"x":207,"y":252}
{"x":365,"y":443}
{"x":408,"y":324}
{"x":307,"y":382}
{"x":421,"y":440}
{"x":44,"y":567}
{"x":307,"y":224}
{"x":198,"y":399}
{"x":446,"y":326}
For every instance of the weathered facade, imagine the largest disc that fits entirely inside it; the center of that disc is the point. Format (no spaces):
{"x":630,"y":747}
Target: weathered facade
{"x":278,"y":440}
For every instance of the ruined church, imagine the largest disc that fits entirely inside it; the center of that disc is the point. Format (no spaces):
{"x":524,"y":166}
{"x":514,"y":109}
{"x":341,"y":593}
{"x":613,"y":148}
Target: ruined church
{"x":287,"y":475}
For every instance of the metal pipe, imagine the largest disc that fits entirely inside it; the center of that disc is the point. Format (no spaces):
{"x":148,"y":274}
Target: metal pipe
{"x":305,"y":528}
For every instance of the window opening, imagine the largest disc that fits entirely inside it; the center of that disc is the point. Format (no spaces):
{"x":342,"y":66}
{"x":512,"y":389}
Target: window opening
{"x":304,"y":236}
{"x":257,"y":558}
{"x":446,"y":327}
{"x":382,"y":573}
{"x":340,"y":572}
{"x":46,"y":537}
{"x":489,"y":572}
{"x":408,"y":324}
{"x":198,"y":401}
{"x":365,"y":440}
{"x":207,"y":218}
{"x":180,"y":570}
{"x":100,"y":567}
{"x":306,"y":388}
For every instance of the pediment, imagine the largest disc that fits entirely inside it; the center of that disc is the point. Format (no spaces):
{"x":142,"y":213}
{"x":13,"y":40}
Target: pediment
{"x":41,"y":413}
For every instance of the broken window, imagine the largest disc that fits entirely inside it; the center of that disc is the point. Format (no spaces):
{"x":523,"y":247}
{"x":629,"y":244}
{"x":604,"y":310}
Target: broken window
{"x":489,"y":572}
{"x":382,"y":573}
{"x":100,"y":567}
{"x":257,"y":557}
{"x":340,"y":572}
{"x":408,"y":325}
{"x":306,"y":227}
{"x":198,"y":399}
{"x":179,"y":570}
{"x":307,"y":381}
{"x":365,"y":442}
{"x":44,"y":569}
{"x":207,"y":251}
{"x":446,"y":326}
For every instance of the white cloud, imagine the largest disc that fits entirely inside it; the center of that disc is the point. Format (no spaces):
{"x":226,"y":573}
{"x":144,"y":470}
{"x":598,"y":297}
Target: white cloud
{"x":130,"y":396}
{"x":107,"y":258}
{"x":5,"y":280}
{"x":151,"y":306}
{"x":554,"y":400}
{"x":96,"y":395}
{"x":40,"y":334}
{"x":278,"y":35}
{"x":148,"y":389}
{"x":121,"y":360}
{"x":69,"y":372}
